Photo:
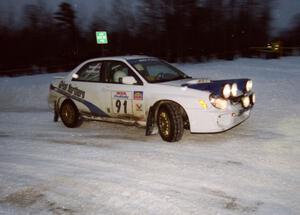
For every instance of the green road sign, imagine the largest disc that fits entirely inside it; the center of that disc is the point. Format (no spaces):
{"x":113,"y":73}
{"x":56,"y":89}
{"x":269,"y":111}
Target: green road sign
{"x":101,"y":37}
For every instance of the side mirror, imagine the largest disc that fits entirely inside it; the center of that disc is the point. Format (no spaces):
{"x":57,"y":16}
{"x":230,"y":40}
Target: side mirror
{"x":75,"y":76}
{"x":130,"y":80}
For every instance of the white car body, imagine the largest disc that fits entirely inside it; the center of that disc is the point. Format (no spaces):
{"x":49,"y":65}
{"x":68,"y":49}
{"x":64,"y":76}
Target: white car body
{"x":131,"y":103}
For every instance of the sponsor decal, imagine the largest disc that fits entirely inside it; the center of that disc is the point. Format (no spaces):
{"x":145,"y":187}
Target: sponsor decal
{"x":93,"y":108}
{"x":139,"y":107}
{"x":120,"y":95}
{"x":72,"y":90}
{"x":138,"y":95}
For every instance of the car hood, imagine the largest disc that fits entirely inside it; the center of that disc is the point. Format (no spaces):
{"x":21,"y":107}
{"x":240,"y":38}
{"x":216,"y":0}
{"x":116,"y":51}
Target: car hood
{"x":212,"y":86}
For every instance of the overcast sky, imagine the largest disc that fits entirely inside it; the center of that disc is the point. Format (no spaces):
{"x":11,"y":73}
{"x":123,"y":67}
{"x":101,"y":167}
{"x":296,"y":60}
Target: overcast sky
{"x":283,"y":11}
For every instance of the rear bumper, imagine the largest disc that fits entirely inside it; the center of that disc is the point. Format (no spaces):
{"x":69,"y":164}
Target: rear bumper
{"x":214,"y":121}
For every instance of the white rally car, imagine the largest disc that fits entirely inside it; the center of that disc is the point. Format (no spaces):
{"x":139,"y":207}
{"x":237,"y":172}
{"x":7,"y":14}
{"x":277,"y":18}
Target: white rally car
{"x":147,"y":91}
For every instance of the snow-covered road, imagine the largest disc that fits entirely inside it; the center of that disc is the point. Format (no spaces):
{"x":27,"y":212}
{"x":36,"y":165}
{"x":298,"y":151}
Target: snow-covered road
{"x":104,"y":168}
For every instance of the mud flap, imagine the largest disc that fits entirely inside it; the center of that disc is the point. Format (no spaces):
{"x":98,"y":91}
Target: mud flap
{"x":151,"y":127}
{"x":56,"y":112}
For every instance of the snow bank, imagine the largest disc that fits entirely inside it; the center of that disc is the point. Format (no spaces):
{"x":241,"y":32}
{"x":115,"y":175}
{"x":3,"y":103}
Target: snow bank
{"x":25,"y":93}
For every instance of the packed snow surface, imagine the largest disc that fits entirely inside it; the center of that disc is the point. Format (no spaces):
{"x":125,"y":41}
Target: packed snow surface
{"x":104,"y":168}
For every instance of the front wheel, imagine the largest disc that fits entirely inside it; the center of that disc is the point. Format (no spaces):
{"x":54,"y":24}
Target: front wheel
{"x":69,"y":114}
{"x":170,"y":122}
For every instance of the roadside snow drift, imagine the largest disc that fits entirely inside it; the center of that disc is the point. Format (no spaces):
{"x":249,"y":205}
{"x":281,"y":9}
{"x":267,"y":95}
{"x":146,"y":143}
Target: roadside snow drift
{"x":103,"y":168}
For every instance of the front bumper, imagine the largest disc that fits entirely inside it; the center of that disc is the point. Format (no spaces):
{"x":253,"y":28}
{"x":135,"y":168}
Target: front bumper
{"x":215,"y":120}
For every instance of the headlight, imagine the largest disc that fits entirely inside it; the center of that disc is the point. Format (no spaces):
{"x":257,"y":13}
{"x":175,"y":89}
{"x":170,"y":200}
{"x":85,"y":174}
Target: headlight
{"x":226,"y":91}
{"x":218,"y":102}
{"x":249,"y":85}
{"x":234,"y":89}
{"x":246,"y":101}
{"x":253,"y":98}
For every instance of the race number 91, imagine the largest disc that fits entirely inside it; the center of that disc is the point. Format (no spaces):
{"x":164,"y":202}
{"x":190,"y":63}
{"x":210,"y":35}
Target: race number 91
{"x":121,"y":106}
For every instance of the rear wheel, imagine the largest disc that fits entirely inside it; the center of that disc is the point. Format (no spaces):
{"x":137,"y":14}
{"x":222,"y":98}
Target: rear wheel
{"x":69,"y":114}
{"x":170,"y":122}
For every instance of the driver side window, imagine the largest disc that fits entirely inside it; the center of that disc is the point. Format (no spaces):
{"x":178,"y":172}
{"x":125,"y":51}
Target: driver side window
{"x":115,"y":71}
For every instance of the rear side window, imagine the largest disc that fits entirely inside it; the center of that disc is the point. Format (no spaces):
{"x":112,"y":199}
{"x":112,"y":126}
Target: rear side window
{"x":90,"y":72}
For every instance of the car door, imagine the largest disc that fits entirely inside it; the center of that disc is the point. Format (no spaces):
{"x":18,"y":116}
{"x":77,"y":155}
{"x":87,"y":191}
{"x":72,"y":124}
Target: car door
{"x":87,"y":81}
{"x":125,"y":101}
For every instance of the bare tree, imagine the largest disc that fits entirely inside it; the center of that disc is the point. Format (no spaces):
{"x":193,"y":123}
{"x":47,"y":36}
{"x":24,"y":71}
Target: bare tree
{"x":65,"y":18}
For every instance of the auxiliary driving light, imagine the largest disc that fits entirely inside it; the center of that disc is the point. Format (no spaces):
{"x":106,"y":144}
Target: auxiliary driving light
{"x":249,"y":85}
{"x":246,"y":101}
{"x":234,"y":89}
{"x":226,"y":91}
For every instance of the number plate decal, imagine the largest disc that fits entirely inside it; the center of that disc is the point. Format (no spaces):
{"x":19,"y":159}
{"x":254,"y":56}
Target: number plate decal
{"x":122,"y":102}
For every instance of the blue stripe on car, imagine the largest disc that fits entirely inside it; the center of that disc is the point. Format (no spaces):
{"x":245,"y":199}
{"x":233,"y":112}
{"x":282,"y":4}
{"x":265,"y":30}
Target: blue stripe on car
{"x":216,"y":87}
{"x":93,"y":108}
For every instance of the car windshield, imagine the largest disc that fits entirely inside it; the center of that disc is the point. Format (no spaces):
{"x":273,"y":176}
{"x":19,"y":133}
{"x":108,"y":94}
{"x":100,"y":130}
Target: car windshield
{"x":155,"y":70}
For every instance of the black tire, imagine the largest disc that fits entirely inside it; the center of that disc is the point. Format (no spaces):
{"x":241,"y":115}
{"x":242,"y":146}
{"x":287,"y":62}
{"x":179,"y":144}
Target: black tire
{"x":69,"y":114}
{"x":170,"y":122}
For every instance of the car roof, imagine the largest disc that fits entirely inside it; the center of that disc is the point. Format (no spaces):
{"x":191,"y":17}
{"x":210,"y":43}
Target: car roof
{"x":125,"y":57}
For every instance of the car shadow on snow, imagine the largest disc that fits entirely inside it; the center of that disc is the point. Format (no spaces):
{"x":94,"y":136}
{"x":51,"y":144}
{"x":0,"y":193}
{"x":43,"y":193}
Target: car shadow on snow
{"x":97,"y":132}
